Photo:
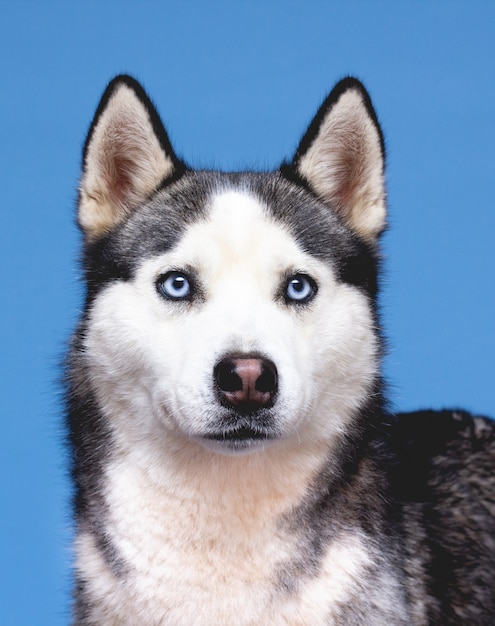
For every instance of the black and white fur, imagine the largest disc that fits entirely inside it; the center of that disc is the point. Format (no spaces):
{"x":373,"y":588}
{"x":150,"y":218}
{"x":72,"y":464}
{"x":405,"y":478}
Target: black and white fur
{"x":233,"y":458}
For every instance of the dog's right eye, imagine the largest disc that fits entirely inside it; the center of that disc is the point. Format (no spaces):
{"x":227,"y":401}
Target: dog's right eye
{"x":174,"y":285}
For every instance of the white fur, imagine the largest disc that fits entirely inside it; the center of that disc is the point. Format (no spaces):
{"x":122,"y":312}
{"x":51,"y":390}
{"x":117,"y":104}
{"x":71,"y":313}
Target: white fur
{"x":202,"y":530}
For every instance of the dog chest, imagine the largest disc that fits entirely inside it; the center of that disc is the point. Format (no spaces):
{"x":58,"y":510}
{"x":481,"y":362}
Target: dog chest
{"x":210,"y":561}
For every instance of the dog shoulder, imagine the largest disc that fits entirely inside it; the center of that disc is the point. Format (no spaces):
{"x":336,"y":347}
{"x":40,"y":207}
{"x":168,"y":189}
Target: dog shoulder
{"x":445,"y":480}
{"x":438,"y":445}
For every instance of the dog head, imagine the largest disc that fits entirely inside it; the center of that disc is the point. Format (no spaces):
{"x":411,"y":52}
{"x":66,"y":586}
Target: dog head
{"x":233,"y":310}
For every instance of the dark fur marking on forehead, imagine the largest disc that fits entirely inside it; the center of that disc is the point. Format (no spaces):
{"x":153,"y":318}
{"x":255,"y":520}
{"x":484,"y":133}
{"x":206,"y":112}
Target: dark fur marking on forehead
{"x":319,"y":230}
{"x":152,"y":229}
{"x":158,"y":225}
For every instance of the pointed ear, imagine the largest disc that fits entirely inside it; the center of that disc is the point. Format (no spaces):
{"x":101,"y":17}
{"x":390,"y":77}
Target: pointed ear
{"x":342,"y":159}
{"x":127,"y":155}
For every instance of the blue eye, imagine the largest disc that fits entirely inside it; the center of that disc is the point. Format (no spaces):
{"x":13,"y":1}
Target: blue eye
{"x":174,"y":286}
{"x":300,"y":289}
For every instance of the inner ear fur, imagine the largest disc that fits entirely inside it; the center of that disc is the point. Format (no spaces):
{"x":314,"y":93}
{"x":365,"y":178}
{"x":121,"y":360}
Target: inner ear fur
{"x":127,"y":155}
{"x":342,"y":159}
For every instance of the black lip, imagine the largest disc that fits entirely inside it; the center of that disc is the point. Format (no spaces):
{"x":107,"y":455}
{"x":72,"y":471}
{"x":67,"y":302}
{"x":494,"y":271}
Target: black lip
{"x":239,"y":434}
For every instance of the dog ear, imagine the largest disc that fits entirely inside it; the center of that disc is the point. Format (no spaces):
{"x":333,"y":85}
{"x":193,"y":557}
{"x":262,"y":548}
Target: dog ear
{"x":341,"y":157}
{"x":127,"y":155}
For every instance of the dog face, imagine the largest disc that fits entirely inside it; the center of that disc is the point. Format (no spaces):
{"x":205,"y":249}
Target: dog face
{"x":225,"y":309}
{"x":233,"y":336}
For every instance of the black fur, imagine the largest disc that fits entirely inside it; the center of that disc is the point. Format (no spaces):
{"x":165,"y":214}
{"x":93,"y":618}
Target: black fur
{"x":443,"y":477}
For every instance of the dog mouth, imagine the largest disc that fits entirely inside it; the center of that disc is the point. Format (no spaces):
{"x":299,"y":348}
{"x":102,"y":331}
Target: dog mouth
{"x":242,"y":434}
{"x":238,"y":440}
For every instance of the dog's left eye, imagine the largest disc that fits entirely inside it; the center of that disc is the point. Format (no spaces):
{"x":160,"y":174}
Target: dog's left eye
{"x":300,"y":289}
{"x":174,"y":286}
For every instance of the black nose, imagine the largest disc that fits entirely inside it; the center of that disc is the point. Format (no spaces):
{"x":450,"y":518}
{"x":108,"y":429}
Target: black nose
{"x":246,"y":383}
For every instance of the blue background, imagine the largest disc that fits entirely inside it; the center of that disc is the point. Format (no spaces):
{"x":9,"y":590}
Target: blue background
{"x":236,"y":83}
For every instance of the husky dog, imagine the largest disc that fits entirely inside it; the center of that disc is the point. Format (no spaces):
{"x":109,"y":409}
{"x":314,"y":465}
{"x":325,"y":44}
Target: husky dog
{"x":233,"y":457}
